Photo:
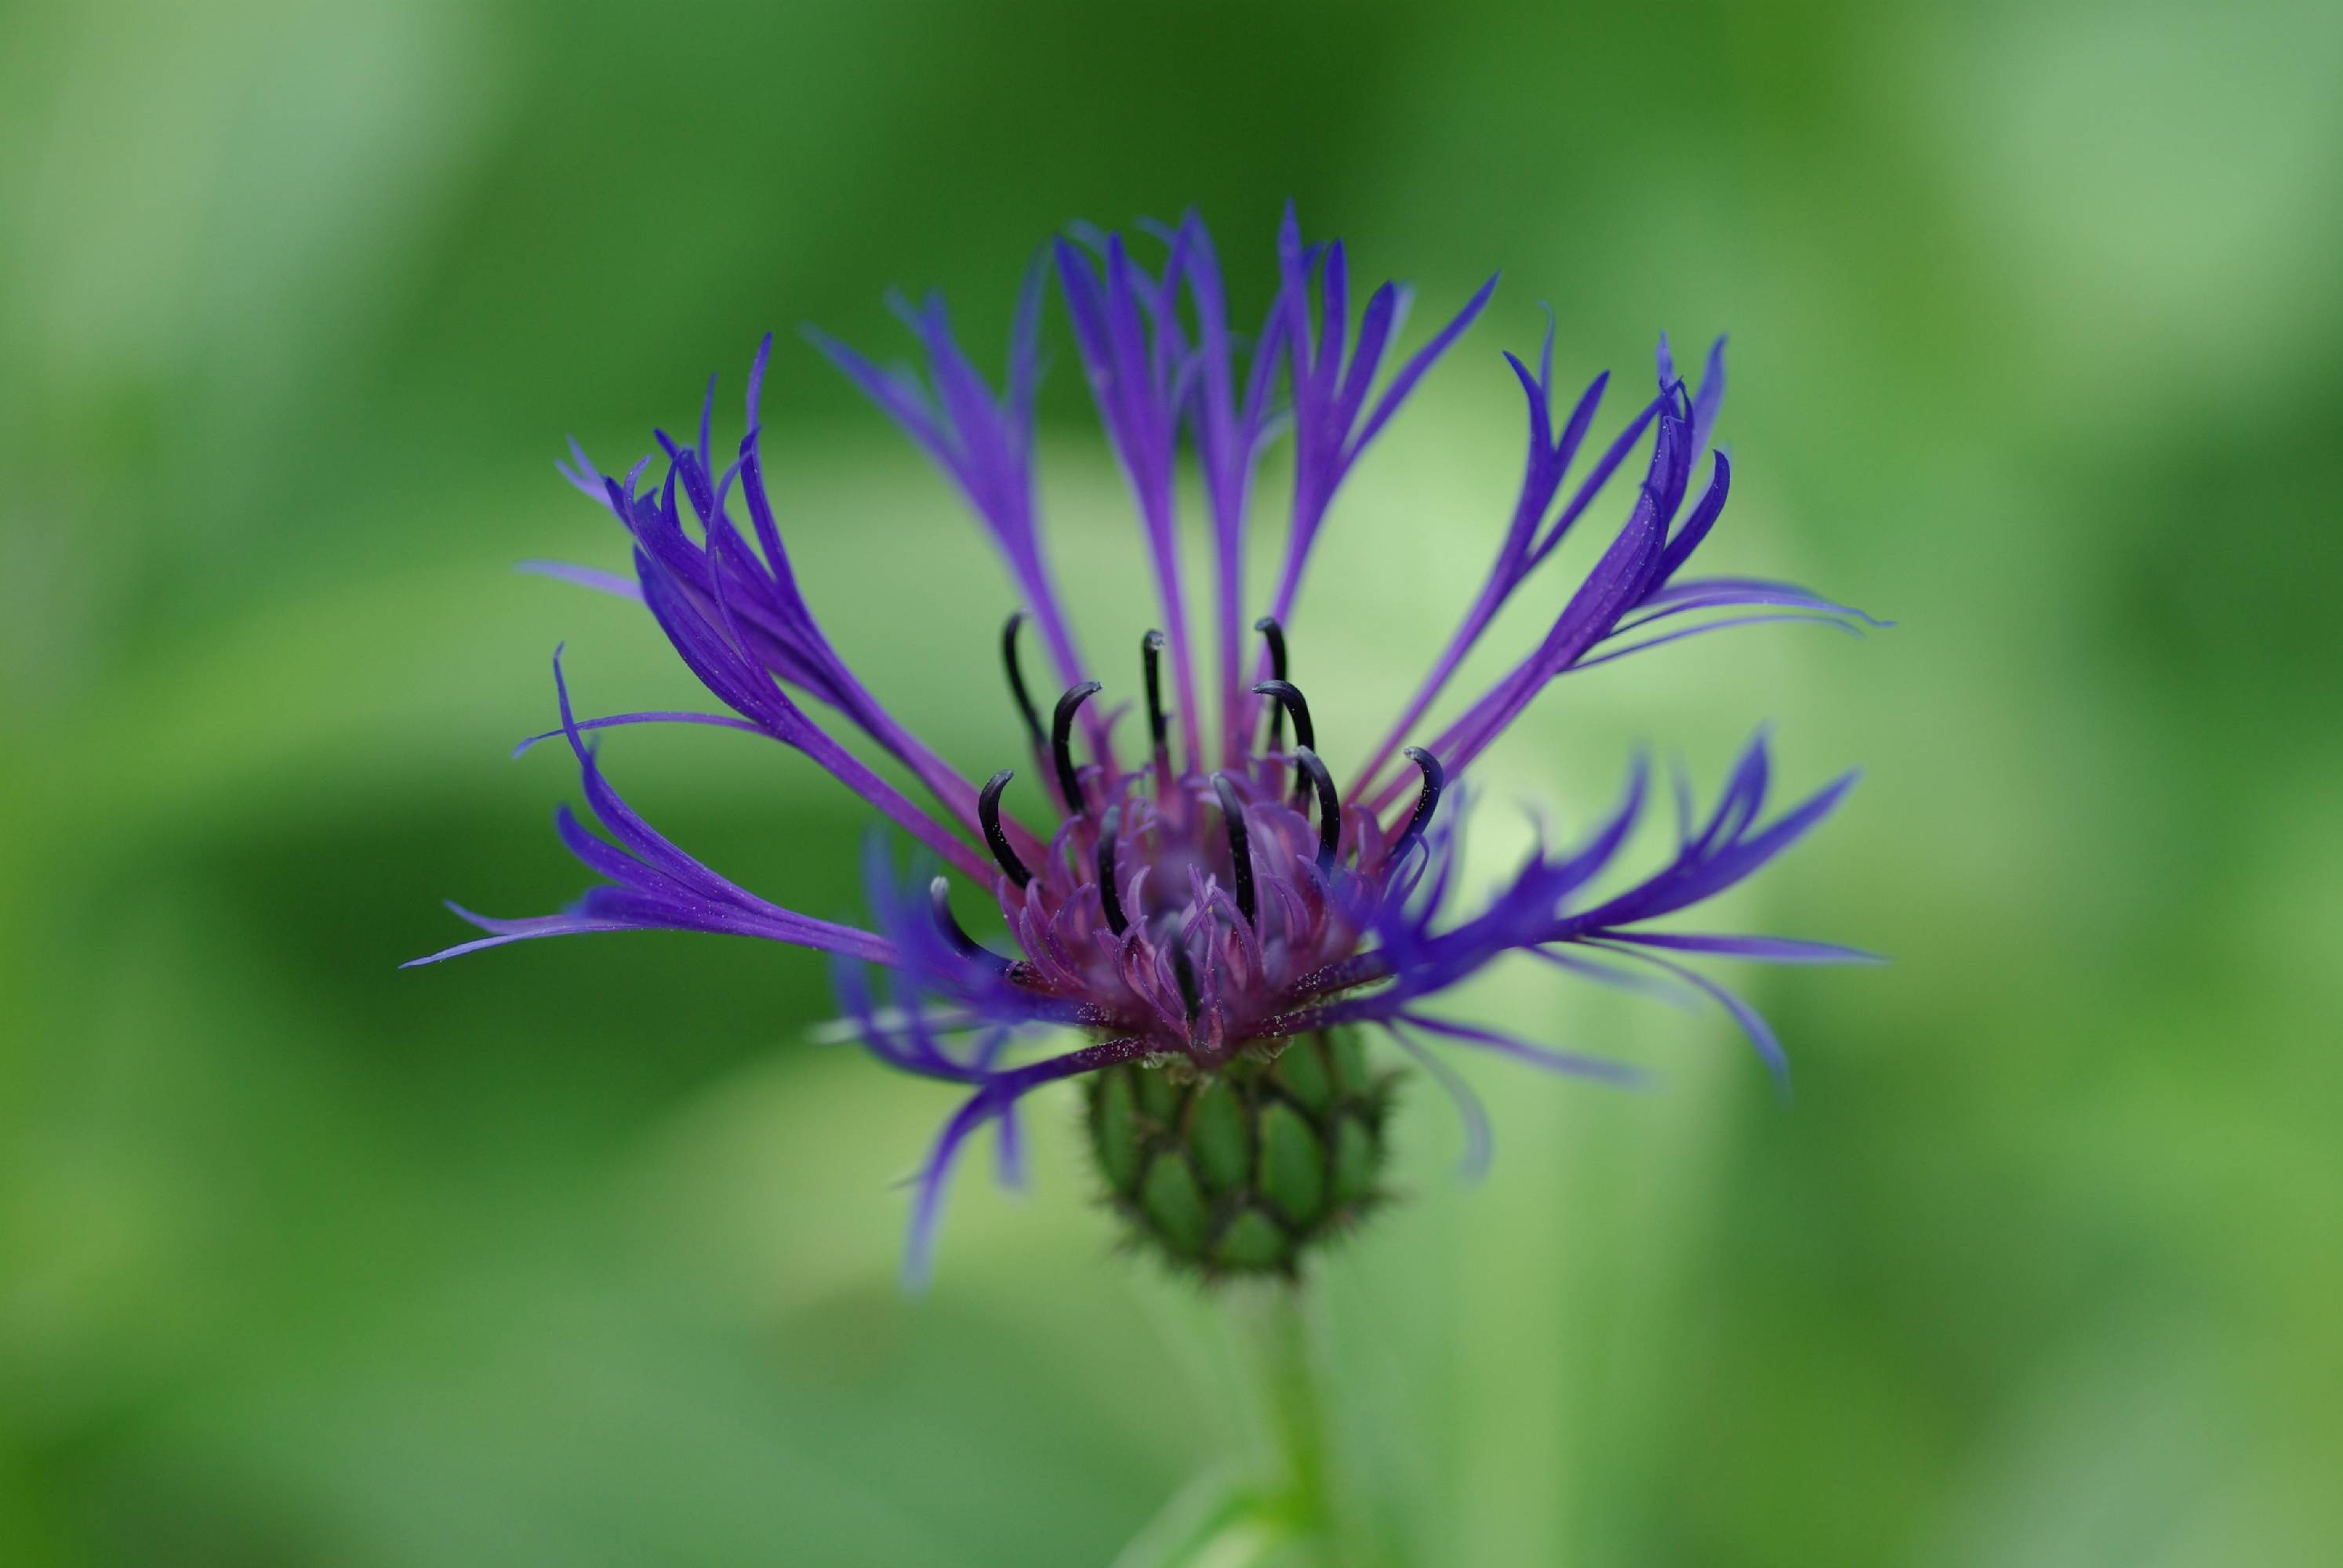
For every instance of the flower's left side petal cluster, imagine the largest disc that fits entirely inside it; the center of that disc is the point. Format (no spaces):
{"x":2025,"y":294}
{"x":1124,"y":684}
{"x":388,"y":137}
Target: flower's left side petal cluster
{"x":737,"y":616}
{"x":652,"y":885}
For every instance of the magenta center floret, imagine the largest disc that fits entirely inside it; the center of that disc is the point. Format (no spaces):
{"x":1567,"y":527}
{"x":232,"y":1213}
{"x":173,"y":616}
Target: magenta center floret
{"x":1194,"y":913}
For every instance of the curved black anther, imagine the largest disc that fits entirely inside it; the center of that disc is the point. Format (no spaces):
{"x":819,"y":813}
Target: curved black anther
{"x":988,"y":811}
{"x":1289,"y":699}
{"x":1184,"y":974}
{"x":1108,"y":827}
{"x":1330,"y":806}
{"x":1274,"y":634}
{"x":1017,"y":679}
{"x":1240,"y":845}
{"x":958,"y":940}
{"x":1061,"y":744}
{"x":1435,"y":778}
{"x":1151,"y":653}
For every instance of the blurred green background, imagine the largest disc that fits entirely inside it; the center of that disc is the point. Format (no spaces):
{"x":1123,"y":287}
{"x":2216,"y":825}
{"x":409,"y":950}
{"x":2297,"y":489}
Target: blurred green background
{"x":580,"y":1253}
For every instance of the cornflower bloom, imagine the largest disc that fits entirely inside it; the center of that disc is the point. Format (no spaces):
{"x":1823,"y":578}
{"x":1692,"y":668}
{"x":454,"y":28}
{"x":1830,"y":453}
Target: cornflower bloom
{"x":1203,"y":903}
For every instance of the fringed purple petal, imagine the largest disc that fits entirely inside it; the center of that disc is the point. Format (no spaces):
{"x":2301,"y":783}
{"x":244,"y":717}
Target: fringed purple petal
{"x":1705,"y":593}
{"x":1704,"y":518}
{"x":1743,"y":796}
{"x":1599,"y":475}
{"x":1375,"y":328}
{"x":1619,"y":578}
{"x":1328,"y":432}
{"x":1418,"y":365}
{"x":897,"y":395}
{"x":1633,"y":573}
{"x":1643,"y":985}
{"x":984,"y":448}
{"x":1009,"y":1158}
{"x":1422,"y":961}
{"x":1229,"y":435}
{"x":1543,"y":469}
{"x":1702,"y":876}
{"x":1478,"y":1143}
{"x":519,"y":930}
{"x":1624,"y":1074}
{"x":1726,"y":624}
{"x":578,"y":469}
{"x":1765,"y":950}
{"x":617,"y":720}
{"x":712,"y":640}
{"x":1414,"y":960}
{"x":654,"y":885}
{"x":1000,"y":1091}
{"x":592,"y":578}
{"x":929,"y":1187}
{"x":1752,"y":1024}
{"x":1127,"y":333}
{"x":1709,"y":398}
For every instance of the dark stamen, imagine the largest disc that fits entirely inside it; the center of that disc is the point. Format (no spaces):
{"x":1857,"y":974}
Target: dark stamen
{"x":1290,"y":701}
{"x":1239,"y":844}
{"x":1150,"y":651}
{"x":1017,"y":679}
{"x":1274,"y":634}
{"x":1435,"y":777}
{"x":1330,"y":806}
{"x":1109,"y":826}
{"x":988,"y":811}
{"x":1288,"y":696}
{"x":961,"y":943}
{"x":1061,"y":744}
{"x":1183,"y":972}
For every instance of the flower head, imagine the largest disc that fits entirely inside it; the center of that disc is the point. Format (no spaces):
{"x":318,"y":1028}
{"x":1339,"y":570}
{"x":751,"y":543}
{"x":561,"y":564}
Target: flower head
{"x":1204,"y":902}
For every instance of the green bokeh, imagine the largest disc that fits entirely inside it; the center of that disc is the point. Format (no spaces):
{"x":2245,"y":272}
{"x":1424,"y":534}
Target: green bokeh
{"x":581,"y":1253}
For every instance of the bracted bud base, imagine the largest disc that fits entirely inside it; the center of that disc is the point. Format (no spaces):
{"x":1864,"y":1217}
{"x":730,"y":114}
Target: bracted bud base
{"x":1242,"y":1169}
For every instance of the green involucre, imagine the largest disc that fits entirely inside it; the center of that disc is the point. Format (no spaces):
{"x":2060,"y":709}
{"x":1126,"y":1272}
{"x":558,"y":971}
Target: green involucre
{"x":1244,"y":1170}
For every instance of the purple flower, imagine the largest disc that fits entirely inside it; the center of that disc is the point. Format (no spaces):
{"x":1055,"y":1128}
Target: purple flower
{"x":1218,"y":894}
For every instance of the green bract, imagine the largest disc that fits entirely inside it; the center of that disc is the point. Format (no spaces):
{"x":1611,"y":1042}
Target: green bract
{"x":1241,"y":1170}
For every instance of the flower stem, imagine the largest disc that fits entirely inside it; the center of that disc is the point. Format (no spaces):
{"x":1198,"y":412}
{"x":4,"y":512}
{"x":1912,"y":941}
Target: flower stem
{"x":1282,"y":1333}
{"x":1280,"y":1337}
{"x":1281,"y":1506}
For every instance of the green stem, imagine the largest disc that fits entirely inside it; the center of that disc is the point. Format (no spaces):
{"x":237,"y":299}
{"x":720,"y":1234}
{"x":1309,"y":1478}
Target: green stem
{"x":1282,"y":1506}
{"x":1280,"y":1343}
